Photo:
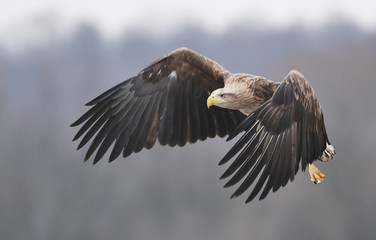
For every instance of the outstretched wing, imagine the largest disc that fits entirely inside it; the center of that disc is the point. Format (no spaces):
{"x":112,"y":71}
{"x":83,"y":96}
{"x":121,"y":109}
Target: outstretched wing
{"x":167,"y":100}
{"x":285,"y":131}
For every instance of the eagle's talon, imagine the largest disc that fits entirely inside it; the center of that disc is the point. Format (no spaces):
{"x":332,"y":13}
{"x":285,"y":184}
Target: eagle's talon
{"x":316,"y":175}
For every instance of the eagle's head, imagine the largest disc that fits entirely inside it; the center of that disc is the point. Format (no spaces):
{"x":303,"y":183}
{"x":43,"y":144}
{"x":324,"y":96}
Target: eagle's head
{"x":222,"y":98}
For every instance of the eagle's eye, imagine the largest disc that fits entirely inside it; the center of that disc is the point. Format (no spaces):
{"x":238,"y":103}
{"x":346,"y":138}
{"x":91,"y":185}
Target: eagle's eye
{"x":222,"y":95}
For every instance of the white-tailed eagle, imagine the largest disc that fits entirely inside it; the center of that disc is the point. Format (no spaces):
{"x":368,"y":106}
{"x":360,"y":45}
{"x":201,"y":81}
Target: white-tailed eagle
{"x":184,"y":97}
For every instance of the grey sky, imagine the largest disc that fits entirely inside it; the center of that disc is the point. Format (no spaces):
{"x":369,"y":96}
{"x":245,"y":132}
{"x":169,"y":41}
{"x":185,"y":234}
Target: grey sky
{"x":18,"y":17}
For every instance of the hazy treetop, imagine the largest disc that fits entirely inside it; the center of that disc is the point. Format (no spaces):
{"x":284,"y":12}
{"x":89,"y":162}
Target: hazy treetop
{"x":35,"y":20}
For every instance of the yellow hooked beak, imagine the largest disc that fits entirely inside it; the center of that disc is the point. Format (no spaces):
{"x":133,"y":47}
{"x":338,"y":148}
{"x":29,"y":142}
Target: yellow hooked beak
{"x":213,"y":100}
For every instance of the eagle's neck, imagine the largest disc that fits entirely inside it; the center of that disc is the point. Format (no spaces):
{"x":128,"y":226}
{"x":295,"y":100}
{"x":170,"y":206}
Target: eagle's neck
{"x":259,"y":91}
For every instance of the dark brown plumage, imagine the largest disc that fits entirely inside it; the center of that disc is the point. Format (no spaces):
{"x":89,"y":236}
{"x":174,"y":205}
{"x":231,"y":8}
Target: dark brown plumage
{"x":167,"y":101}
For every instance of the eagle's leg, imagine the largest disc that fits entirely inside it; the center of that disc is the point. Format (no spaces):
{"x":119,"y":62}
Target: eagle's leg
{"x":316,"y":175}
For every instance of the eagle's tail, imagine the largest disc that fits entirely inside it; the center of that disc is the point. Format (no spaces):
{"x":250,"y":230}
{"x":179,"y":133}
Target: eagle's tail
{"x":328,"y":153}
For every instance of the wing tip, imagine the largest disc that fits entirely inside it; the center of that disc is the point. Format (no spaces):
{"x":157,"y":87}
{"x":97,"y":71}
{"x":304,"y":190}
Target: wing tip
{"x":223,"y":160}
{"x":234,"y":196}
{"x":96,"y":159}
{"x":231,"y":136}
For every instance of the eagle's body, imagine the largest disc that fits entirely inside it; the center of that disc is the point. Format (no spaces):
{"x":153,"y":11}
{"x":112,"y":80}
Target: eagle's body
{"x":170,"y":99}
{"x":251,"y":91}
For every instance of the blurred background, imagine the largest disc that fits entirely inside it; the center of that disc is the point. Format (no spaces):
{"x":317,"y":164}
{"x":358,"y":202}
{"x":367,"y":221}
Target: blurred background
{"x":57,"y":55}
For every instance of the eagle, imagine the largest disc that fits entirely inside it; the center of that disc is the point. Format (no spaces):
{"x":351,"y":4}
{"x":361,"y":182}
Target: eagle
{"x":184,"y":97}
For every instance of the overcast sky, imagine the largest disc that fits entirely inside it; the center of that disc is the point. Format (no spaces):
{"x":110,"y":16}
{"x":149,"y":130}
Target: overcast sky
{"x":18,"y":17}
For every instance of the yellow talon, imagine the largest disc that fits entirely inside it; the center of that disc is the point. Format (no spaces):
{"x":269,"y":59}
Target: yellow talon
{"x":316,"y":175}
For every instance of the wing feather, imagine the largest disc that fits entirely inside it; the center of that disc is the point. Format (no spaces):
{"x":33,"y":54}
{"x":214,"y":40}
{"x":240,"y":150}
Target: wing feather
{"x":165,"y":101}
{"x":281,"y":134}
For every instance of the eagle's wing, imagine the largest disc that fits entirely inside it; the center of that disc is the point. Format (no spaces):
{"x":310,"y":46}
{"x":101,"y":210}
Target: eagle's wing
{"x":282,"y":133}
{"x":166,"y":100}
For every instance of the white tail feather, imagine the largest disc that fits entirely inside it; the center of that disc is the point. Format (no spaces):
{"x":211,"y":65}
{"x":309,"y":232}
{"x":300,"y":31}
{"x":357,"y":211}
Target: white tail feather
{"x":328,"y":153}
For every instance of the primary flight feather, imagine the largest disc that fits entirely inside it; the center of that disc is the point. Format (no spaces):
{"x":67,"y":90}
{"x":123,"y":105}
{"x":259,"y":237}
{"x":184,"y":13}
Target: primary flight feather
{"x":184,"y":97}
